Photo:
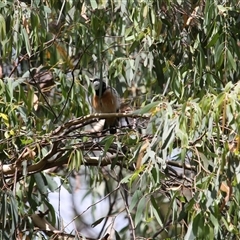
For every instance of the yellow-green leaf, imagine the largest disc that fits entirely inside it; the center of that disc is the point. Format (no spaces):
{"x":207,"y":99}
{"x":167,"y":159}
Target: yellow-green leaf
{"x":5,"y":119}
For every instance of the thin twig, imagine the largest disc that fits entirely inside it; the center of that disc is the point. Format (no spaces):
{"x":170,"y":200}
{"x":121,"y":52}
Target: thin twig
{"x":79,"y":215}
{"x":128,"y":214}
{"x":83,"y":119}
{"x":111,"y":205}
{"x":162,"y":229}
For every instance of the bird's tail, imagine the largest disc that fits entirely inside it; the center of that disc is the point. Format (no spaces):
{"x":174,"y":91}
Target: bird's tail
{"x":111,"y":124}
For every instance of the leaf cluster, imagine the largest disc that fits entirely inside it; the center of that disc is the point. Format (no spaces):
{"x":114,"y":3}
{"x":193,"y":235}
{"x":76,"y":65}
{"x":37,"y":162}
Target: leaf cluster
{"x":175,"y":167}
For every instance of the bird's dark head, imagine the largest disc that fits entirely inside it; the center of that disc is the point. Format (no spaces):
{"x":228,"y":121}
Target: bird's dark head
{"x":99,"y":86}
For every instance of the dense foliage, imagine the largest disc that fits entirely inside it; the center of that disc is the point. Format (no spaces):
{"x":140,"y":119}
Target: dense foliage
{"x":175,"y":64}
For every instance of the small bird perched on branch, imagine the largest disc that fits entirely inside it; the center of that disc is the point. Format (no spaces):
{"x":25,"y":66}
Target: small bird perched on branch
{"x":106,"y":100}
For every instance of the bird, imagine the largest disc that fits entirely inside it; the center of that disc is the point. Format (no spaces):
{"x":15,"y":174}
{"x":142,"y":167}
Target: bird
{"x":106,"y":100}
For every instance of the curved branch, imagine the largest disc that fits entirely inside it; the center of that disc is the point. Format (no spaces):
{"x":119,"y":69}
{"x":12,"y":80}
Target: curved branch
{"x":58,"y":154}
{"x":85,"y":119}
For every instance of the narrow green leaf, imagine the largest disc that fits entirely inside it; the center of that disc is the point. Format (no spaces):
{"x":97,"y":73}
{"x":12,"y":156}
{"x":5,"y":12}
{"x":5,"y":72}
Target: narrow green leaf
{"x":156,"y":211}
{"x":198,"y":223}
{"x":117,"y":236}
{"x":3,"y":4}
{"x":5,"y":119}
{"x":153,"y":16}
{"x":135,"y":199}
{"x":128,"y":31}
{"x":145,"y":11}
{"x":215,"y":222}
{"x":27,"y":42}
{"x":3,"y":210}
{"x":94,"y":4}
{"x":9,"y":90}
{"x":2,"y":28}
{"x":41,"y":182}
{"x":79,"y":159}
{"x":134,"y":45}
{"x":148,"y":108}
{"x":219,"y":100}
{"x":189,"y":235}
{"x":97,"y":222}
{"x":213,"y":40}
{"x":107,"y":142}
{"x":231,"y":61}
{"x":218,"y":57}
{"x":14,"y":214}
{"x":168,"y":136}
{"x":126,"y":179}
{"x":51,"y":210}
{"x":71,"y":162}
{"x":140,"y":211}
{"x":31,"y":201}
{"x":228,"y":87}
{"x":30,"y":99}
{"x":204,"y":160}
{"x":52,"y":185}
